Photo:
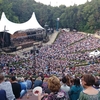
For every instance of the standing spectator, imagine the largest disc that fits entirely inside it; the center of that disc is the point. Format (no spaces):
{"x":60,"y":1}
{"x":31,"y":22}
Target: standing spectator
{"x":64,"y":86}
{"x":75,"y":89}
{"x":89,"y":92}
{"x":7,"y":87}
{"x":16,"y":87}
{"x":54,"y":86}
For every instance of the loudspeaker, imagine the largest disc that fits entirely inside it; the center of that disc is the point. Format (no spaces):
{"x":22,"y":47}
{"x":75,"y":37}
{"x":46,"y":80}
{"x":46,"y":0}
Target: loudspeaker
{"x":5,"y":39}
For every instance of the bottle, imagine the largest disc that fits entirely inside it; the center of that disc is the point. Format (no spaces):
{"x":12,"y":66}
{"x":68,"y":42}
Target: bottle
{"x":27,"y":96}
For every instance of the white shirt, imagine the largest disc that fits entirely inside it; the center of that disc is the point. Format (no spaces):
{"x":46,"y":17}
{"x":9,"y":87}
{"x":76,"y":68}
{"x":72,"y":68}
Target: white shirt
{"x":65,"y":88}
{"x":8,"y":88}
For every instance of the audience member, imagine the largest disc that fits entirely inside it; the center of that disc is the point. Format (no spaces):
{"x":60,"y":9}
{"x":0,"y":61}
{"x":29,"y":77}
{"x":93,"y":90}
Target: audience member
{"x":16,"y":87}
{"x":89,"y":92}
{"x":7,"y":87}
{"x":3,"y":95}
{"x":23,"y":87}
{"x":54,"y":85}
{"x":64,"y":86}
{"x":75,"y":89}
{"x":38,"y":82}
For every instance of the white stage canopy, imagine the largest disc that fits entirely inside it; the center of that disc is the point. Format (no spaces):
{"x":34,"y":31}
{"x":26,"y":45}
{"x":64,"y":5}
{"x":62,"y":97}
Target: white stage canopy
{"x":95,"y":53}
{"x":11,"y":27}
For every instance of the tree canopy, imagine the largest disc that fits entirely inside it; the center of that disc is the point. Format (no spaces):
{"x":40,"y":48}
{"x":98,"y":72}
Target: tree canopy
{"x":85,"y":17}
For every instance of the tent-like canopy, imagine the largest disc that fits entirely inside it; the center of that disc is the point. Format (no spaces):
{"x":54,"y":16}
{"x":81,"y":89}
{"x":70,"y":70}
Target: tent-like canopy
{"x":11,"y":27}
{"x":95,"y":53}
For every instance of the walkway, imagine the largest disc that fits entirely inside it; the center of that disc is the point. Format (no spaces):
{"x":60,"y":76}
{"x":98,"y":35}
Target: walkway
{"x":52,"y":38}
{"x":95,"y":35}
{"x":29,"y":96}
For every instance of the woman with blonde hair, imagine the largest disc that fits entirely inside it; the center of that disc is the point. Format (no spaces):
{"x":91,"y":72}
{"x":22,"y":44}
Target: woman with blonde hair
{"x":89,"y":92}
{"x":54,"y":86}
{"x":38,"y":82}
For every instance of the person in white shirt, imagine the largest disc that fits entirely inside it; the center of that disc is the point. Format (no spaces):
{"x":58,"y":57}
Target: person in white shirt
{"x":64,"y":86}
{"x":7,"y":87}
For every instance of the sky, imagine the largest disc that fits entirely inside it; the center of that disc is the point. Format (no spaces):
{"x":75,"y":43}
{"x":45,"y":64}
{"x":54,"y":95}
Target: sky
{"x":64,"y":2}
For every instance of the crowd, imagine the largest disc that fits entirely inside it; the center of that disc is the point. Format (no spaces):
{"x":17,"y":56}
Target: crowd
{"x":85,"y":87}
{"x":67,"y":56}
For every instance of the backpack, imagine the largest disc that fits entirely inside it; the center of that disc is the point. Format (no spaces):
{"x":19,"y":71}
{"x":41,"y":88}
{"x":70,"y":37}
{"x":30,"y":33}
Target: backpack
{"x":56,"y":96}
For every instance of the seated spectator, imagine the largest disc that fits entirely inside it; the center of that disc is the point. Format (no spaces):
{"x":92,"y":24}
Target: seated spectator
{"x":7,"y":87}
{"x":38,"y":82}
{"x":29,"y":83}
{"x":16,"y":87}
{"x":45,"y":86}
{"x":96,"y":85}
{"x":23,"y":87}
{"x":3,"y":95}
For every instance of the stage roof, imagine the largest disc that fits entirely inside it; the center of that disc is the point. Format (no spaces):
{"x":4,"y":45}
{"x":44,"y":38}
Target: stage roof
{"x":11,"y":27}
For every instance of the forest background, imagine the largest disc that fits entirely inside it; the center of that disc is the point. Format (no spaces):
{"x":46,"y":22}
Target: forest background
{"x":84,"y":17}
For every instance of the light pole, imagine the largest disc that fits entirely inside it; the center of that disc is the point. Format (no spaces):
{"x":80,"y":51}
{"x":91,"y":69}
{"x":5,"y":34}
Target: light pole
{"x":46,"y":28}
{"x":58,"y":23}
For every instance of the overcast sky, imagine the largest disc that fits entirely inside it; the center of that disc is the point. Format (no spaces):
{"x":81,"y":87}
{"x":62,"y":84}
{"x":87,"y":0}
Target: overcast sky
{"x":59,"y":2}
